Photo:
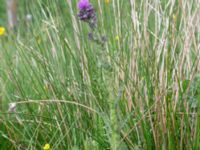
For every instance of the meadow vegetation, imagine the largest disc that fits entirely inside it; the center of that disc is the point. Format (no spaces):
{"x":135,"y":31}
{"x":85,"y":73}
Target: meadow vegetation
{"x":138,"y":90}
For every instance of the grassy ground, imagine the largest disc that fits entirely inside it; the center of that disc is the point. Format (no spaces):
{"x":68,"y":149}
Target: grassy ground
{"x":141,"y":90}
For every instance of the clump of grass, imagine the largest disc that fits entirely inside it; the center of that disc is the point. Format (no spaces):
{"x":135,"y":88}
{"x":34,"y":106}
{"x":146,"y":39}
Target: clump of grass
{"x":138,"y":91}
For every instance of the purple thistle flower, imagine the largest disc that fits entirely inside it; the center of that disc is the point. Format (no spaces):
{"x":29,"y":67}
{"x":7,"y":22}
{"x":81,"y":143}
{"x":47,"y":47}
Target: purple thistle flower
{"x":82,"y":4}
{"x":87,"y":12}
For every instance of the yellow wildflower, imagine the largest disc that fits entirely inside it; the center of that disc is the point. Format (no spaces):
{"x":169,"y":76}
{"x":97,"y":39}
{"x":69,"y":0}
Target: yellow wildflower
{"x":38,"y":39}
{"x":117,"y":38}
{"x":46,"y":146}
{"x":174,"y":17}
{"x":2,"y":30}
{"x":107,"y":1}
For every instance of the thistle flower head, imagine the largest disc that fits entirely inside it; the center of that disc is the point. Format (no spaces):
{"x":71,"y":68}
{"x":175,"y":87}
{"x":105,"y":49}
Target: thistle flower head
{"x":87,"y":13}
{"x":83,"y":4}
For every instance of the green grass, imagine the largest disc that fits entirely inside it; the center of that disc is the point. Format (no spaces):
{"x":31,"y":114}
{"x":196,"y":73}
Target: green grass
{"x":140,"y":91}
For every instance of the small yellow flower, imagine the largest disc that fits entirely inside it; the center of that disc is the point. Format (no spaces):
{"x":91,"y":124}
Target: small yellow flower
{"x":117,"y":38}
{"x":2,"y":30}
{"x":107,"y":1}
{"x":46,"y":146}
{"x":174,"y":17}
{"x":38,"y":39}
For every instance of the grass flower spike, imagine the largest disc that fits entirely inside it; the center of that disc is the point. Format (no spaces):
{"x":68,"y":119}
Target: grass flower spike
{"x":2,"y":30}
